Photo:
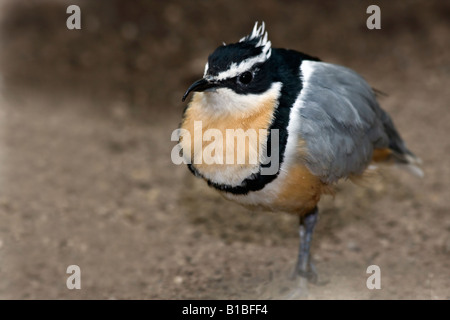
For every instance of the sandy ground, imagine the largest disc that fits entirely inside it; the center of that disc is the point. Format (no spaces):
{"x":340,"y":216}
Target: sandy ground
{"x":86,"y":177}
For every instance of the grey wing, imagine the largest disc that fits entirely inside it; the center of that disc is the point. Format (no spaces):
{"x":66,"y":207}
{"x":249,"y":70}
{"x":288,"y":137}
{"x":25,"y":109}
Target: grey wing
{"x":340,"y":121}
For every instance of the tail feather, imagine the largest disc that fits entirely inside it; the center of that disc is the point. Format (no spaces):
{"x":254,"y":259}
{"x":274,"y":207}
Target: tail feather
{"x":415,"y":170}
{"x":409,"y":162}
{"x":399,"y":152}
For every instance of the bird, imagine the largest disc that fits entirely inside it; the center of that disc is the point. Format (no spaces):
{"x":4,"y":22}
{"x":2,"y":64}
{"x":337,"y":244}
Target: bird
{"x":320,"y":121}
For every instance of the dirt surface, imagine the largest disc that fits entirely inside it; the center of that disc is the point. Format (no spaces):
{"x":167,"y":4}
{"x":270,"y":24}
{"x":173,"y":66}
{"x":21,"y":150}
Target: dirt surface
{"x":86,"y":177}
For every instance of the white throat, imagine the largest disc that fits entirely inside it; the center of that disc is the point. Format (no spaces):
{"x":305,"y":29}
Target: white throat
{"x":224,"y":101}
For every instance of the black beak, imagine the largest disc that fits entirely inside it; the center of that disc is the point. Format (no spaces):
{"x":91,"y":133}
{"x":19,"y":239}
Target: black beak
{"x":199,"y":85}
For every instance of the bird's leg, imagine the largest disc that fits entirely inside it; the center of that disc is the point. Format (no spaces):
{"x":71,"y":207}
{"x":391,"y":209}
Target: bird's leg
{"x":304,"y":267}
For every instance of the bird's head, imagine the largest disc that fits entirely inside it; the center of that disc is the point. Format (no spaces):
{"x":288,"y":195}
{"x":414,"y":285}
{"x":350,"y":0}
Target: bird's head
{"x":238,"y":72}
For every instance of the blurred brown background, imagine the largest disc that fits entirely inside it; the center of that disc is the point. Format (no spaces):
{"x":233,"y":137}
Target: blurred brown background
{"x":86,"y":176}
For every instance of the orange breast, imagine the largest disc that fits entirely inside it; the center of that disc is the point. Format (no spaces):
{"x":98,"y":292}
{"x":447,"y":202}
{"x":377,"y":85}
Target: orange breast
{"x":260,"y":118}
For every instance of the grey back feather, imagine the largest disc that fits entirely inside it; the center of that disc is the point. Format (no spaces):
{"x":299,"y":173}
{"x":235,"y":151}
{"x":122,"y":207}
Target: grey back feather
{"x":340,"y":121}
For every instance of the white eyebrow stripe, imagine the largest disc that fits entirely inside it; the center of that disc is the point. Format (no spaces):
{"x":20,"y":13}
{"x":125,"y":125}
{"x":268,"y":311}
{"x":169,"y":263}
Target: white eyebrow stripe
{"x":206,"y":69}
{"x":236,"y":69}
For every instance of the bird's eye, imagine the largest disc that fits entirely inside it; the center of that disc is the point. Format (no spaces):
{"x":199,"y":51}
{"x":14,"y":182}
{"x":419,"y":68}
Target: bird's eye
{"x":246,"y":77}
